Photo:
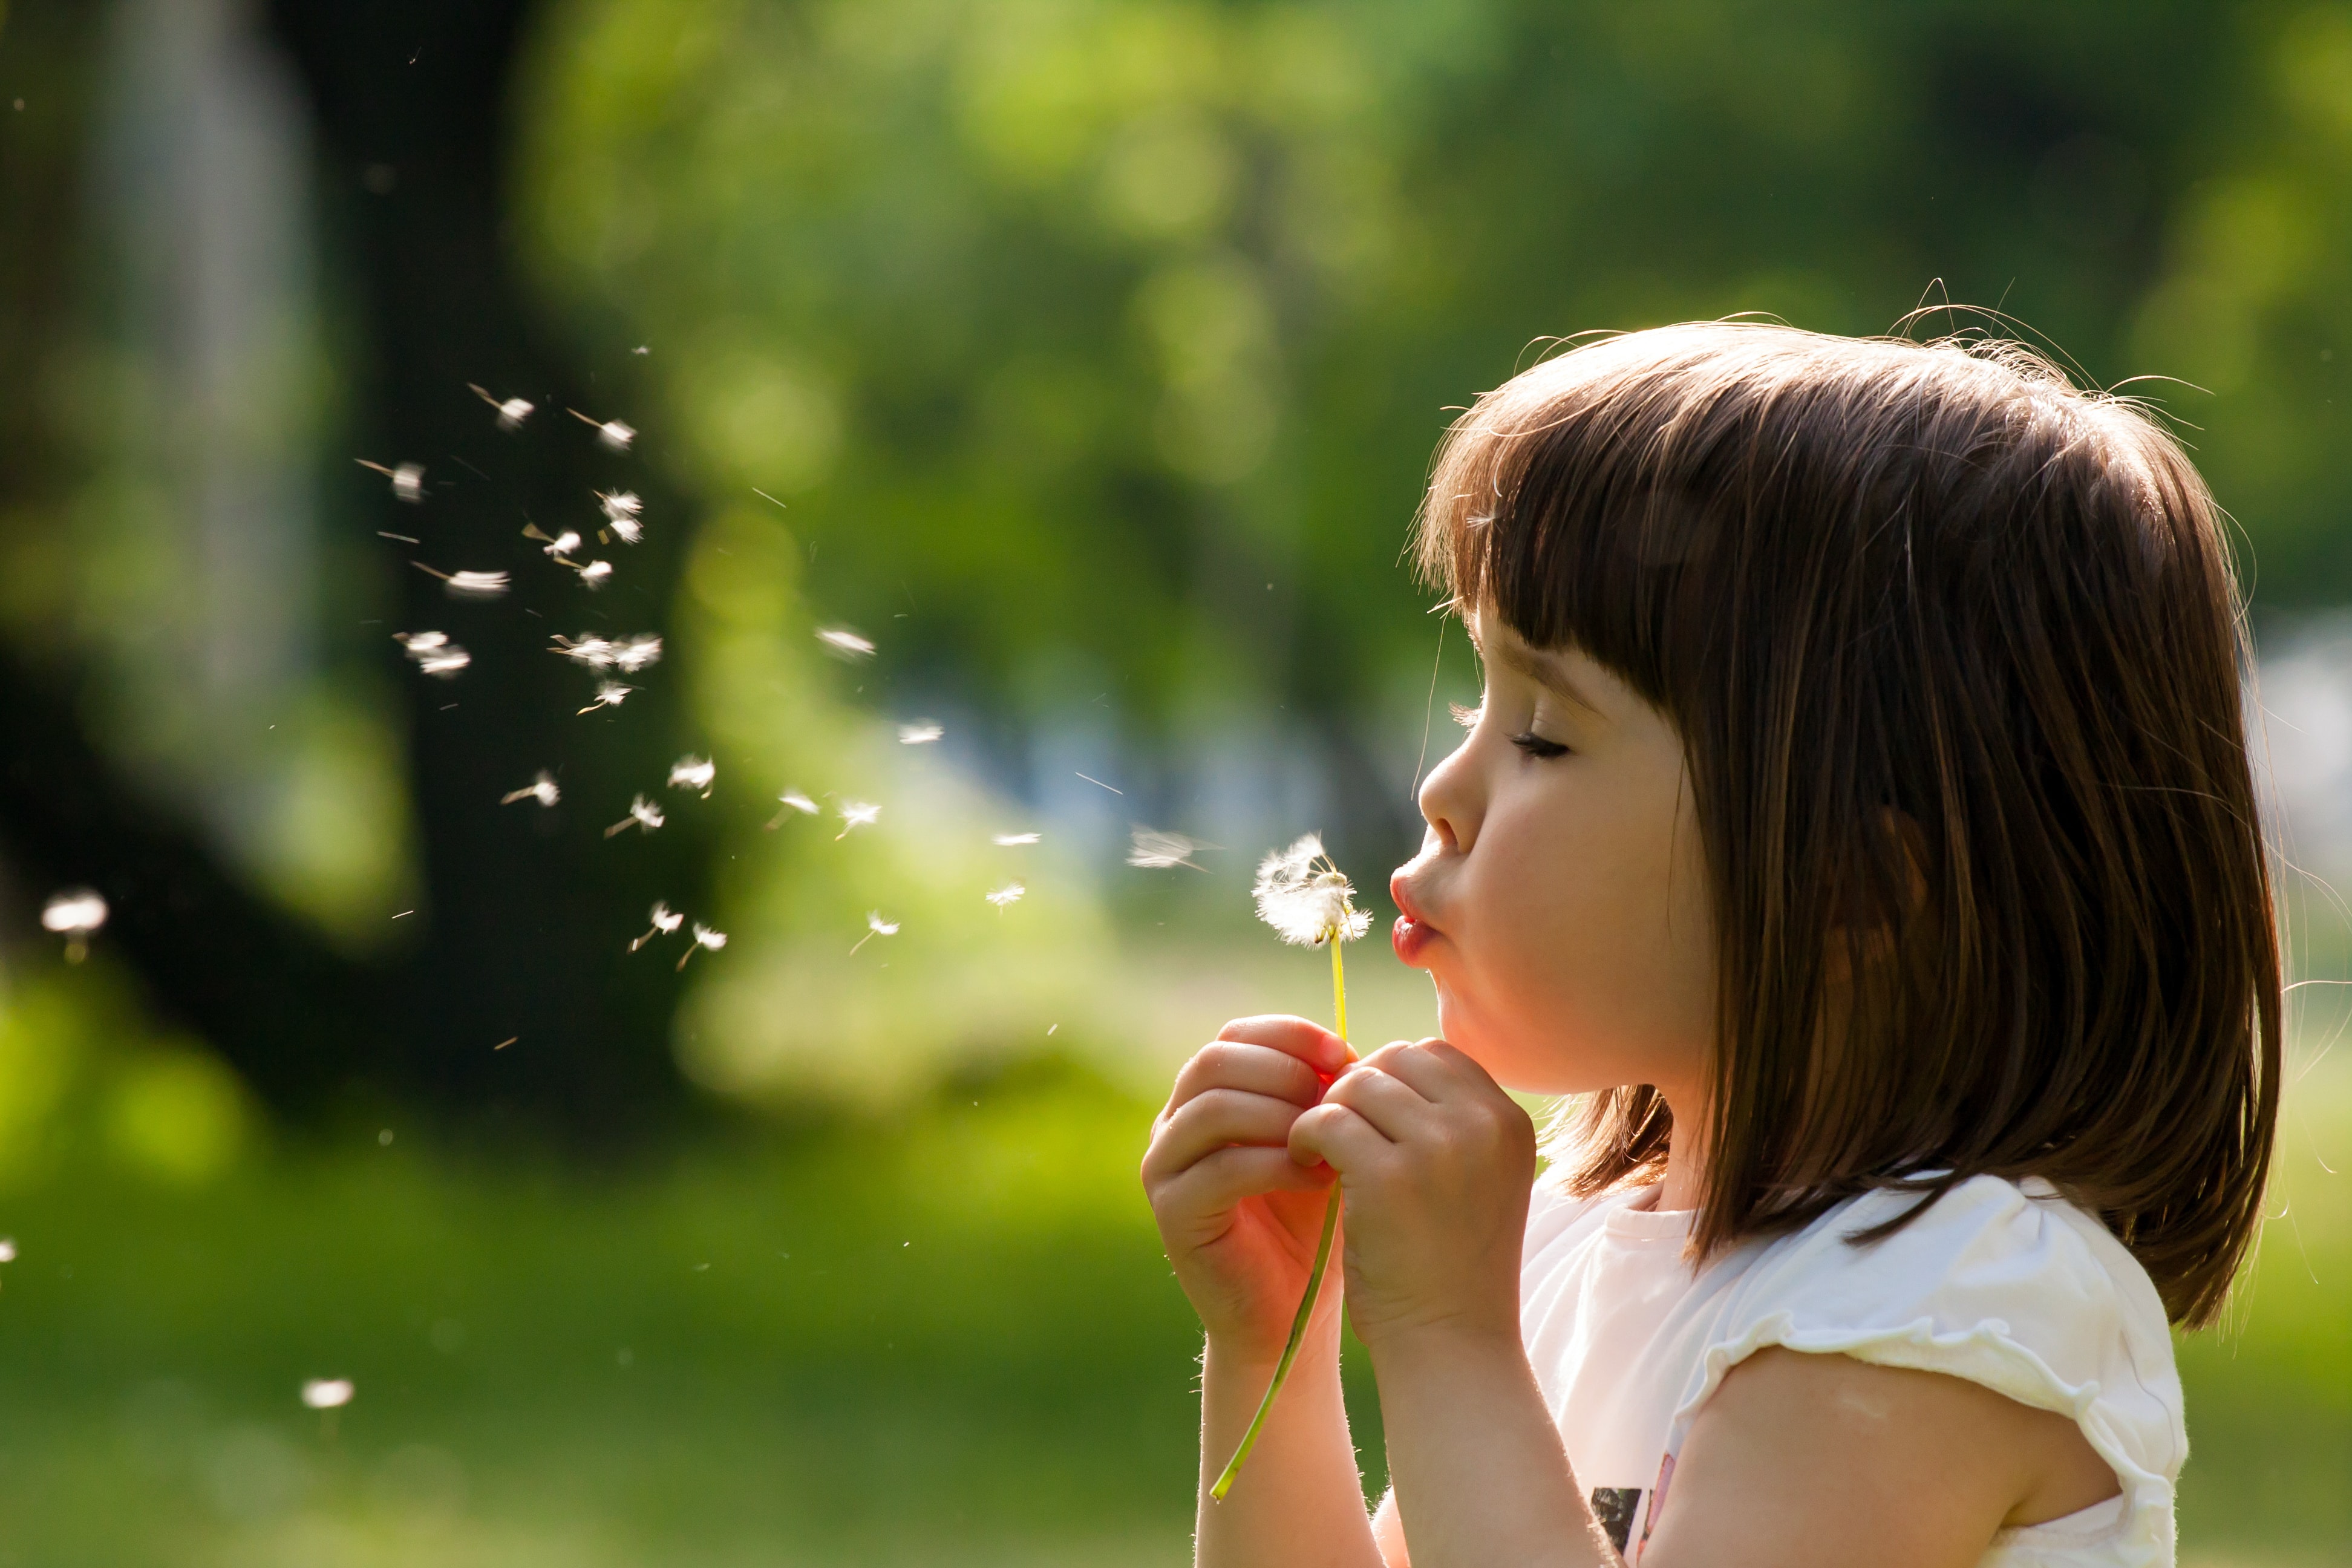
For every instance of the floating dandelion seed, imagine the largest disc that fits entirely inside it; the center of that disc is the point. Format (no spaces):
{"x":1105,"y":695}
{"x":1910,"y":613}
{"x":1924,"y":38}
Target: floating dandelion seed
{"x":856,"y":813}
{"x":1007,"y":895}
{"x":468,"y":584}
{"x":7,"y":1249}
{"x":76,"y":915}
{"x":407,"y":480}
{"x":557,"y":546}
{"x":704,"y":937}
{"x":328,"y":1393}
{"x":665,"y":920}
{"x":845,"y":642}
{"x":922,"y":734}
{"x":876,"y":926}
{"x":644,"y":815}
{"x":612,"y":432}
{"x":1014,"y":840}
{"x":627,"y":529}
{"x":1301,"y":894}
{"x":609,"y":694}
{"x":793,"y":801}
{"x":541,"y":789}
{"x":633,"y":654}
{"x":512,"y":411}
{"x":593,"y":574}
{"x":1156,"y":851}
{"x":693,"y":773}
{"x":434,"y":653}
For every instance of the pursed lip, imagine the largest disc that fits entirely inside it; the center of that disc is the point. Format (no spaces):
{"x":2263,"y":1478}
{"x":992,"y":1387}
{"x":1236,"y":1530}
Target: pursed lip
{"x":1412,"y":931}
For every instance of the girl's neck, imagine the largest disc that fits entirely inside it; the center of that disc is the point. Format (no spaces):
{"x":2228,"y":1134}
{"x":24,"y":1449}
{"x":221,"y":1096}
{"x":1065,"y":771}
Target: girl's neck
{"x":1685,"y":1182}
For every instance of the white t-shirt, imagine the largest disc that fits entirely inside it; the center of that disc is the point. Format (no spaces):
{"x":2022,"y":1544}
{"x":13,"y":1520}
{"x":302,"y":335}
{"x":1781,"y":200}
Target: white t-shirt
{"x":2006,"y":1285}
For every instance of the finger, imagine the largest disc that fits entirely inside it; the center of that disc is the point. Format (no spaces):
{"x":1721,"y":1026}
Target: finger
{"x":1259,"y":1069}
{"x":1311,"y":1043}
{"x":1211,"y":1121}
{"x":1438,"y":1071}
{"x":1229,"y":1175}
{"x":1338,"y":1136}
{"x":1392,"y":1105}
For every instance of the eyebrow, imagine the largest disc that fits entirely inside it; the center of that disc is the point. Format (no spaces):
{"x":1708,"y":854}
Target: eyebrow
{"x":1543,"y":672}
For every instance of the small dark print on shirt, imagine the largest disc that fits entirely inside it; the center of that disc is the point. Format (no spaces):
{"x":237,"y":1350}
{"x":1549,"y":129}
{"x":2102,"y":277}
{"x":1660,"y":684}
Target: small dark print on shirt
{"x":1614,"y":1506}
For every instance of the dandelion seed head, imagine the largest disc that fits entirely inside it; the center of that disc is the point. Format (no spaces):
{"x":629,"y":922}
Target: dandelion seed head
{"x":1306,"y":898}
{"x":563,"y":543}
{"x":633,"y":654}
{"x":328,"y":1393}
{"x":595,"y":573}
{"x":615,"y":435}
{"x":857,"y":814}
{"x":705,"y":937}
{"x":666,"y":919}
{"x":476,"y":585}
{"x":620,"y":506}
{"x":609,"y":694}
{"x":513,"y":412}
{"x":1156,"y":851}
{"x":693,"y":773}
{"x":798,"y":802}
{"x":845,"y":642}
{"x":627,"y":529}
{"x":1012,"y":840}
{"x":76,"y":912}
{"x":921,"y":734}
{"x":878,"y":926}
{"x":646,"y":814}
{"x":1011,"y":893}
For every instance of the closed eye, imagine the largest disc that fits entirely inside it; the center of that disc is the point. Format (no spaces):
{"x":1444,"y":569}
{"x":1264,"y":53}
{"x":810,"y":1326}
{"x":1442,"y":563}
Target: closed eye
{"x":1535,"y":745}
{"x":1465,"y":717}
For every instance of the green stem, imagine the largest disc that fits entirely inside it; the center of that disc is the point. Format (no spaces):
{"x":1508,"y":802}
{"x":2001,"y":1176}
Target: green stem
{"x":1314,"y":1276}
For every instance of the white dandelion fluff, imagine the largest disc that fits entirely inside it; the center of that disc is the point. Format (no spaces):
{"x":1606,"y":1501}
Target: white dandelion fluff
{"x":620,"y":506}
{"x":644,"y":815}
{"x":468,"y":584}
{"x":627,"y":529}
{"x":693,"y":773}
{"x":876,"y":926}
{"x":408,"y":479}
{"x":704,"y":937}
{"x":1007,"y":895}
{"x":76,"y":913}
{"x":1306,"y":898}
{"x":433,"y":652}
{"x":665,"y":920}
{"x":541,"y":789}
{"x":512,"y":411}
{"x":611,"y":432}
{"x":1014,"y":840}
{"x":563,"y":544}
{"x":7,"y":1249}
{"x":856,"y":813}
{"x":919,"y":734}
{"x":793,"y":800}
{"x":609,"y":694}
{"x":845,"y":642}
{"x":632,"y":654}
{"x":594,"y":575}
{"x":1156,"y":851}
{"x":328,"y":1393}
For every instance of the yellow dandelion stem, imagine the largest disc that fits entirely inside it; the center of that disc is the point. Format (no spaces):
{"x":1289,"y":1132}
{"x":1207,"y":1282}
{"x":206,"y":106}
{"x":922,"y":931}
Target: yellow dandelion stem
{"x":1314,"y":1275}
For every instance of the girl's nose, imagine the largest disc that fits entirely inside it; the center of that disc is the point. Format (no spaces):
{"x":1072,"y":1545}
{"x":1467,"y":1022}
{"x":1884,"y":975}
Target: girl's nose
{"x":1449,"y":800}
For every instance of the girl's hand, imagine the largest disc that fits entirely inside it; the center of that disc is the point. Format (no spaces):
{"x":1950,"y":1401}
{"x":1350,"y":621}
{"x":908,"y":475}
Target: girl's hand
{"x":1238,"y":1214}
{"x":1437,"y":1163}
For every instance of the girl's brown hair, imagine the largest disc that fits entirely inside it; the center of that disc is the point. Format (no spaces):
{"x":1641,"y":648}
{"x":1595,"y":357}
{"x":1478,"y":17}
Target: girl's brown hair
{"x":1955,"y":650}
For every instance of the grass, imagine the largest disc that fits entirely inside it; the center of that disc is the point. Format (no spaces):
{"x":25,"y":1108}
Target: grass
{"x":947,"y":1340}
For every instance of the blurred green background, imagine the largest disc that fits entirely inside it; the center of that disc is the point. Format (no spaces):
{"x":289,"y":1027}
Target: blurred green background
{"x":1083,"y":355}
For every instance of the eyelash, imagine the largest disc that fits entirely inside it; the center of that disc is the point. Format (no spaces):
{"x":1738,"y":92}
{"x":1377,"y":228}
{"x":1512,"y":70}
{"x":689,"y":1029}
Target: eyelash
{"x":1535,"y":745}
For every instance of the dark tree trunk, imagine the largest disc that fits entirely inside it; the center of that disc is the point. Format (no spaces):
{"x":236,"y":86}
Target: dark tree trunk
{"x":526,"y":913}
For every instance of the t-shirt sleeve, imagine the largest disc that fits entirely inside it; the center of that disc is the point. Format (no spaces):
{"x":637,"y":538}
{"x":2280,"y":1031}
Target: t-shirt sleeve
{"x":2009,"y":1287}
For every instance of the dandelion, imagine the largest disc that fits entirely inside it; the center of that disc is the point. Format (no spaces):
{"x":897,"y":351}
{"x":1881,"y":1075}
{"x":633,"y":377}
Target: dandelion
{"x":408,"y":479}
{"x":433,"y":652}
{"x":1014,"y":840}
{"x":468,"y":584}
{"x":876,"y":926}
{"x":328,"y":1393}
{"x":1301,"y":894}
{"x":665,"y":920}
{"x":845,"y":642}
{"x":620,"y":507}
{"x":76,"y":915}
{"x":919,"y":734}
{"x":633,"y":654}
{"x":611,"y":432}
{"x":512,"y":411}
{"x":857,"y":814}
{"x":1156,"y":851}
{"x":1007,"y":895}
{"x":609,"y":694}
{"x":594,"y":575}
{"x":627,"y":529}
{"x":693,"y":773}
{"x":557,"y":546}
{"x":541,"y":789}
{"x":644,"y":815}
{"x":704,"y":937}
{"x":593,"y":651}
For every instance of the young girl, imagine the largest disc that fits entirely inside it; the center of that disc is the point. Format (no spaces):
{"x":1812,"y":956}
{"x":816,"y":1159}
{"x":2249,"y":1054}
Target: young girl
{"x":1859,"y":819}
